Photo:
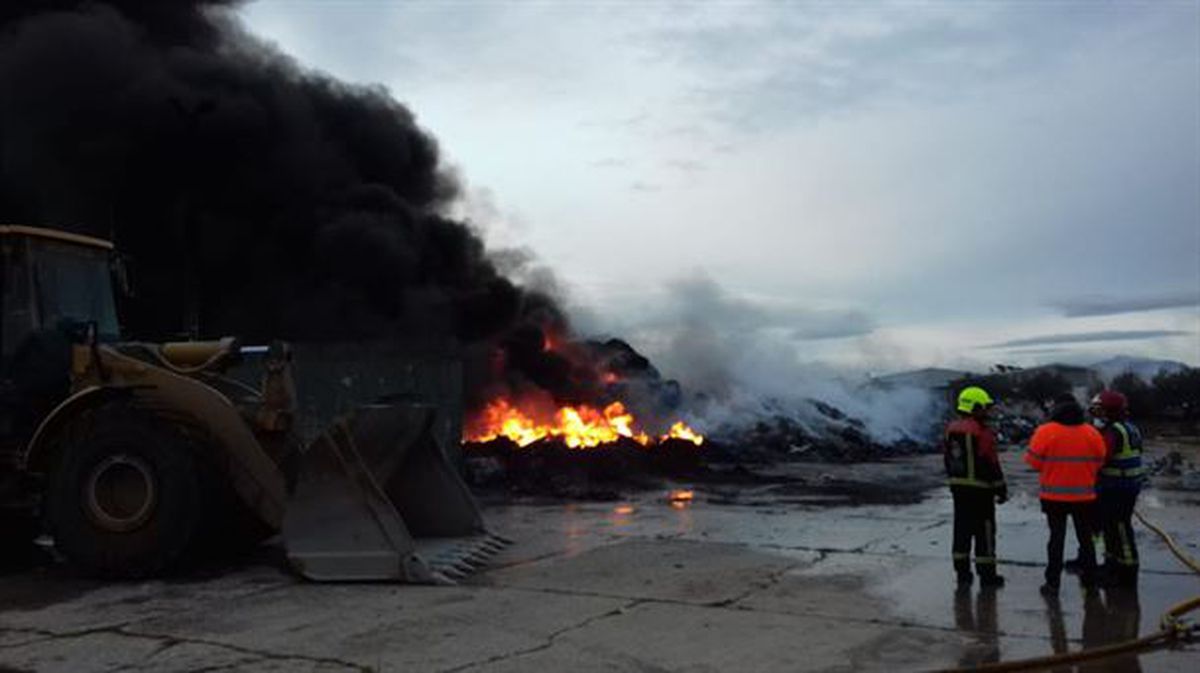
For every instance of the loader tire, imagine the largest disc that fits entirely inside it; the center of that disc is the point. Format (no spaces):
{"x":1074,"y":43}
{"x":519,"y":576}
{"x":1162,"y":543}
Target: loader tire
{"x":125,"y":499}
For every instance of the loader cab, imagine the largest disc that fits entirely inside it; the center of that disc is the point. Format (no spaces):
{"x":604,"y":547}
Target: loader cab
{"x":51,"y":284}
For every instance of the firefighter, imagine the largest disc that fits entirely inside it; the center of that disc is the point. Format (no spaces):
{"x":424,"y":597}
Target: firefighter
{"x":1118,"y":487}
{"x":976,"y":484}
{"x":1068,"y":454}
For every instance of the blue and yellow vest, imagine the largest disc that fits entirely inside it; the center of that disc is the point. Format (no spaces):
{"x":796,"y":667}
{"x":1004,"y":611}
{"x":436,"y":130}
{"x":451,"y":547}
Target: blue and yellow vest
{"x":1124,"y":471}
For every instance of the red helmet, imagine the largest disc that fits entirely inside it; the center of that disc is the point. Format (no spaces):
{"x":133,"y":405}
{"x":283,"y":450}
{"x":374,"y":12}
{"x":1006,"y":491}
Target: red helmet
{"x":1109,"y":404}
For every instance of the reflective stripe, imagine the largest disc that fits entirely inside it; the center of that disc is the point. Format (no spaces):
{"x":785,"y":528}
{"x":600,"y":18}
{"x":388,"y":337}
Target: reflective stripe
{"x":959,"y":556}
{"x":985,"y":560}
{"x":1126,"y":558}
{"x":1072,"y":459}
{"x":1128,"y":461}
{"x":1118,"y":472}
{"x":963,"y":481}
{"x":1069,"y":490}
{"x":970,"y":442}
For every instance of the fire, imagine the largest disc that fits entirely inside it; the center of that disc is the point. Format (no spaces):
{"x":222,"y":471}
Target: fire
{"x":579,"y":427}
{"x":681,"y":431}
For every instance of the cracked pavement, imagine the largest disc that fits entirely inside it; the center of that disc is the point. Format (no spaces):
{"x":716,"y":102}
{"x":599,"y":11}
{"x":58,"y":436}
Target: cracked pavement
{"x":639,"y":585}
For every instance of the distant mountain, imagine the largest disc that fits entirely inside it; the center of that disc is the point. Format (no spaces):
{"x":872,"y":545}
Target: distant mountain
{"x":1079,"y":375}
{"x":1145,"y":368}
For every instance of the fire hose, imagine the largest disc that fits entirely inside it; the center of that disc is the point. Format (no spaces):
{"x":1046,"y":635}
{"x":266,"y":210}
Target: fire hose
{"x":1172,"y":628}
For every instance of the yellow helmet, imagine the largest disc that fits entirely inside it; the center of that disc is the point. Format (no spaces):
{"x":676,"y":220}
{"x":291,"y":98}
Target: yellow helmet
{"x":973,"y":397}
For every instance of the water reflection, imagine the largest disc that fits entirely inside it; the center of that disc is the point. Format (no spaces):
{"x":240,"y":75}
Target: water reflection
{"x":1111,"y":617}
{"x":980,"y":619}
{"x":680,"y":499}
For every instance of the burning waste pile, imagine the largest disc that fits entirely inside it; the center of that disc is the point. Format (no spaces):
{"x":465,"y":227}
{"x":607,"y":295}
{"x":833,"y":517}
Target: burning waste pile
{"x":527,"y":440}
{"x":626,"y":427}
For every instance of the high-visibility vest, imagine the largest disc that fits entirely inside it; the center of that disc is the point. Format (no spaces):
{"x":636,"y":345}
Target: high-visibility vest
{"x":1124,"y":469}
{"x":969,"y":453}
{"x":1067,"y":458}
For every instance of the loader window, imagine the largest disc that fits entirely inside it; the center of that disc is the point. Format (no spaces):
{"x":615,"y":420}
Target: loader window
{"x":17,"y":308}
{"x":74,"y":283}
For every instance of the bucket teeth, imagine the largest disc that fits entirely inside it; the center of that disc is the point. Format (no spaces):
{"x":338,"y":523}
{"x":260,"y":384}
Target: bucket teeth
{"x":441,"y":579}
{"x":453,"y":575}
{"x":454,"y":559}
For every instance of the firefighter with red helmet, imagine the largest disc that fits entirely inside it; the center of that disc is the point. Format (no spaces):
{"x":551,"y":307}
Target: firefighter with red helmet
{"x":1119,"y":483}
{"x":976,"y":484}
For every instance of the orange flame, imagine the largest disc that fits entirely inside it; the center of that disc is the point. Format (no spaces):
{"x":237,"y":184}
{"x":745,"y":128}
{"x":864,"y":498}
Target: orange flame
{"x":578,"y":427}
{"x":681,"y":431}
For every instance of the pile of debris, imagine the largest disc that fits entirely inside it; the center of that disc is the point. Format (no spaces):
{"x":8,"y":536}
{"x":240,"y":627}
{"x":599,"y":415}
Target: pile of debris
{"x":826,"y":434}
{"x":550,"y":468}
{"x":1014,"y":423}
{"x":1174,"y":472}
{"x":731,"y":453}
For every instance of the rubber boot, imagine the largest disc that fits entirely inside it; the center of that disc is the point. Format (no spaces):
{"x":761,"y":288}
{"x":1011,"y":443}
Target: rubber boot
{"x":991,"y":580}
{"x":962,"y":568}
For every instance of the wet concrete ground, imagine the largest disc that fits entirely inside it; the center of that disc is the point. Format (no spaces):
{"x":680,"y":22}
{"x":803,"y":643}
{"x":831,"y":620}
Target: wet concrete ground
{"x":776,"y":583}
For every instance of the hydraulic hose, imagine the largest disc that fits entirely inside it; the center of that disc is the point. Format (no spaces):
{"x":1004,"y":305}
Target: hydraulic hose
{"x":1179,"y":553}
{"x":1172,"y":628}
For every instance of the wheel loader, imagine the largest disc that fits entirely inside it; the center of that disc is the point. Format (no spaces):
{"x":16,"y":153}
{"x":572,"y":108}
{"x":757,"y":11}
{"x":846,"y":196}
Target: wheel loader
{"x":136,"y":458}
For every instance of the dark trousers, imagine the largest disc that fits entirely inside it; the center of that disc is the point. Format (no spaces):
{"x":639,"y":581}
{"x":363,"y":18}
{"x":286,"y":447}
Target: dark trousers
{"x":1115,"y":512}
{"x":974,"y":519}
{"x":1081,"y":514}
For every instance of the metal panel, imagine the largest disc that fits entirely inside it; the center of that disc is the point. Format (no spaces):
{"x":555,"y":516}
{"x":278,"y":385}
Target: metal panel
{"x":333,"y":379}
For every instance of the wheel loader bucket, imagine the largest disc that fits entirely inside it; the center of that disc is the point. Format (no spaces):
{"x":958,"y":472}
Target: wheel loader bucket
{"x":376,"y":499}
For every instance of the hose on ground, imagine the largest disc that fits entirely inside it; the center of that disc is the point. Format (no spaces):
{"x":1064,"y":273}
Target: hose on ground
{"x":1172,"y":628}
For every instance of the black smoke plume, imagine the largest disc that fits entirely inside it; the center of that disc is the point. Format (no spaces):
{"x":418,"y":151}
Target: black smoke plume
{"x":255,"y":197}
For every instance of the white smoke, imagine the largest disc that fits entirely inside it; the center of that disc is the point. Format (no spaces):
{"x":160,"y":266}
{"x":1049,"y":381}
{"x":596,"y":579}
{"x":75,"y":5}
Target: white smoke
{"x":744,"y":361}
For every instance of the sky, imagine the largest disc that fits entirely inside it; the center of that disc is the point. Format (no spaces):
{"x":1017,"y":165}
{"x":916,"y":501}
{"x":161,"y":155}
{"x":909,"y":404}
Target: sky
{"x":870,"y":185}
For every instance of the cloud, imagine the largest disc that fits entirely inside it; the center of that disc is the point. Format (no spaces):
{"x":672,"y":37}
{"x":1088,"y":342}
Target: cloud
{"x":1103,"y":305}
{"x":610,"y":162}
{"x":1090,"y":337}
{"x":628,"y":122}
{"x":687,"y":165}
{"x":689,"y":131}
{"x":641,"y":186}
{"x":1050,"y":350}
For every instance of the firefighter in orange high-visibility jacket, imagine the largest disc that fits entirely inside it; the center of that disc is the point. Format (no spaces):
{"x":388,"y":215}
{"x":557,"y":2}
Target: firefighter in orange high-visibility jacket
{"x":1068,"y":454}
{"x":976,"y":484}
